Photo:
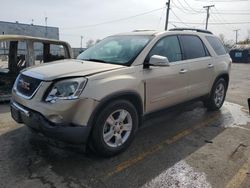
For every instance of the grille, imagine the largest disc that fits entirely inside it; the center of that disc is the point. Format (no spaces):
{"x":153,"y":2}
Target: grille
{"x":27,"y":85}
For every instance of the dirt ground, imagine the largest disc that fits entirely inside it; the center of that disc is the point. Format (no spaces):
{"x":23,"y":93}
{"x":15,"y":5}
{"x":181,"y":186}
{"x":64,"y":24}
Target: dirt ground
{"x":185,"y":146}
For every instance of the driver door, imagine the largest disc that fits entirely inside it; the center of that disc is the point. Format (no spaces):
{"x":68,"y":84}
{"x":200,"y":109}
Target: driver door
{"x":166,"y":85}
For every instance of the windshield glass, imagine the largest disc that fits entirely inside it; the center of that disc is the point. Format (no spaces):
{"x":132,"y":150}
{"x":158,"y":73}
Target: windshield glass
{"x":120,"y":50}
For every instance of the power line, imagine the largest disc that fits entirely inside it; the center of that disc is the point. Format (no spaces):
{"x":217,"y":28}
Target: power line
{"x":235,"y":10}
{"x":222,"y":1}
{"x":187,"y":10}
{"x":212,"y":23}
{"x":218,"y":17}
{"x":158,"y":25}
{"x":190,"y":10}
{"x":233,"y":13}
{"x":116,"y":20}
{"x":198,"y":11}
{"x":179,"y":18}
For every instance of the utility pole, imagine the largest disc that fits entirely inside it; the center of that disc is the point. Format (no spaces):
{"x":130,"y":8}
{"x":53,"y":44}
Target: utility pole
{"x":46,"y":27}
{"x":167,"y":15}
{"x":208,"y":8}
{"x":81,"y":41}
{"x":236,"y":35}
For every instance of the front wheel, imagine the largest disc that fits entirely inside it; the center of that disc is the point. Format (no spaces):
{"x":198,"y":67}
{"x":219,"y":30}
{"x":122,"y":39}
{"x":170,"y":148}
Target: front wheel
{"x":115,"y":128}
{"x":217,"y":95}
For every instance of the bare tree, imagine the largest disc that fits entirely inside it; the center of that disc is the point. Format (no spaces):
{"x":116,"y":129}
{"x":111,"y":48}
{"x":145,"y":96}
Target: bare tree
{"x":97,"y":40}
{"x":227,"y":43}
{"x":222,"y":38}
{"x":90,"y":43}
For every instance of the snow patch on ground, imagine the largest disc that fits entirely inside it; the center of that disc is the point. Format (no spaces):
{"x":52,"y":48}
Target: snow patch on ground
{"x":179,"y":175}
{"x":239,"y":116}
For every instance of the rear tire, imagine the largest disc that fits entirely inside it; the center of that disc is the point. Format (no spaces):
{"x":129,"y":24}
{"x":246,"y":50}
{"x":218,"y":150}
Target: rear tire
{"x":217,"y":95}
{"x":115,"y":128}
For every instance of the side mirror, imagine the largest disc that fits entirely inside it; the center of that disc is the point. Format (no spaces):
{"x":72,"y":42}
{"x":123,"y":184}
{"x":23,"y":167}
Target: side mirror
{"x":157,"y":60}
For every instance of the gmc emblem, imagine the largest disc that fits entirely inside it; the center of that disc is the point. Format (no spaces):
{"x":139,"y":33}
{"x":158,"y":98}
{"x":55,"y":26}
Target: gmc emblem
{"x":24,"y":85}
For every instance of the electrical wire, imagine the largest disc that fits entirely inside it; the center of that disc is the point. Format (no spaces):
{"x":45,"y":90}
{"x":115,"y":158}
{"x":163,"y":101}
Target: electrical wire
{"x":233,"y":13}
{"x":213,"y":23}
{"x":116,"y":20}
{"x":158,"y":25}
{"x":178,"y":18}
{"x":198,"y":11}
{"x":217,"y":17}
{"x":221,"y":1}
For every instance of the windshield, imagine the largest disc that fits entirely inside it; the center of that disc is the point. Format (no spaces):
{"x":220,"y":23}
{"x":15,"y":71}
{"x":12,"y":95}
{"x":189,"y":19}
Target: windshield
{"x":120,"y":50}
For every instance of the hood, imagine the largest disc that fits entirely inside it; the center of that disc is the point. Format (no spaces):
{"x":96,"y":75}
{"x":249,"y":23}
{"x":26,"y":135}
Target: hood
{"x":68,"y":68}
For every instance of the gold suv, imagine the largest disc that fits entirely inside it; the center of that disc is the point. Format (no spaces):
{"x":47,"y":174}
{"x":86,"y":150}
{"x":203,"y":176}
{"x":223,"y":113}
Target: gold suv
{"x":100,"y":98}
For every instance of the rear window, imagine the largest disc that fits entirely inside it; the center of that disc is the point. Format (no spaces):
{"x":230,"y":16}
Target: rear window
{"x":193,"y":47}
{"x":216,"y":45}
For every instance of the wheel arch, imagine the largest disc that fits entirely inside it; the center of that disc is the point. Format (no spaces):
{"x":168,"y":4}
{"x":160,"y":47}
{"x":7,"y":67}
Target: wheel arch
{"x":225,"y":76}
{"x":131,"y":96}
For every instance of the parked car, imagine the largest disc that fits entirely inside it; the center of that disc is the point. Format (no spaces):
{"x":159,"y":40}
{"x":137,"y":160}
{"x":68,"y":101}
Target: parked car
{"x":100,"y":98}
{"x":18,"y":52}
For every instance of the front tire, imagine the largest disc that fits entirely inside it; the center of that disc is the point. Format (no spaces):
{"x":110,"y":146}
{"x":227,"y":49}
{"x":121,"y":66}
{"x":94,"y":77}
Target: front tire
{"x":217,"y":96}
{"x":115,"y":128}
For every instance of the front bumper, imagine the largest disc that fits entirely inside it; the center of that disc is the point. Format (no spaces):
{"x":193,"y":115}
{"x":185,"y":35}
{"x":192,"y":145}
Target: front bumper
{"x":69,"y":133}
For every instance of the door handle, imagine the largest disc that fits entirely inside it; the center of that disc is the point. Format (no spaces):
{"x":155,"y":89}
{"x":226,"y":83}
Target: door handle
{"x":210,"y":65}
{"x":183,"y":71}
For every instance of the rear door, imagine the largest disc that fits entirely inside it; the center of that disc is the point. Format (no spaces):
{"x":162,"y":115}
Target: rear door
{"x":200,"y":65}
{"x":166,"y":86}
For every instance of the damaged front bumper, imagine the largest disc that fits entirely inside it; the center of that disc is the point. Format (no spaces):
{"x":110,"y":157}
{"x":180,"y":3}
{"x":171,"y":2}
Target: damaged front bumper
{"x":69,"y":133}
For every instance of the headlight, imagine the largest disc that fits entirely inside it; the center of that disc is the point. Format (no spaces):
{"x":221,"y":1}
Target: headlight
{"x":66,"y":89}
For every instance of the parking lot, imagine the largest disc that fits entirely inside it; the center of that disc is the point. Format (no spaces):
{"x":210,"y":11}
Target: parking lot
{"x":185,"y":146}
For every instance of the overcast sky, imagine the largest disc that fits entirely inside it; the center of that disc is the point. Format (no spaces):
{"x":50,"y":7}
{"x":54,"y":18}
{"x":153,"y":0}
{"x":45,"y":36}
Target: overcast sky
{"x":81,"y":17}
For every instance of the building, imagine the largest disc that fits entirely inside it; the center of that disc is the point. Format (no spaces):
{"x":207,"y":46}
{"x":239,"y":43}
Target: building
{"x":15,"y":28}
{"x":77,"y":51}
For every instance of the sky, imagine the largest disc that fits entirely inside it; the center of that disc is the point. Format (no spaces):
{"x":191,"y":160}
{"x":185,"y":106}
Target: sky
{"x":96,"y":19}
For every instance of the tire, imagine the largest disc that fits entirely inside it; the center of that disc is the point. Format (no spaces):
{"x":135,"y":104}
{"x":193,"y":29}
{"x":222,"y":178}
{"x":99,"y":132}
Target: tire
{"x":115,"y":128}
{"x":217,"y":95}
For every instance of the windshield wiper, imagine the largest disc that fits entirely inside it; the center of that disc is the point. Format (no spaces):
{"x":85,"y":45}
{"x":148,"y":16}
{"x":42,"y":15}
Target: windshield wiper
{"x":97,"y":60}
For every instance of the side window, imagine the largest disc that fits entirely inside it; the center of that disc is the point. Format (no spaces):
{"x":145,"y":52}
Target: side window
{"x":48,"y":52}
{"x":216,"y":45}
{"x":38,"y":50}
{"x":168,"y":47}
{"x":4,"y":56}
{"x":21,"y":55}
{"x":193,"y":47}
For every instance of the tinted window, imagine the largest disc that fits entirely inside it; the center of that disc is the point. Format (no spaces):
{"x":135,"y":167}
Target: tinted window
{"x":216,"y":45}
{"x":168,"y":47}
{"x":192,"y":46}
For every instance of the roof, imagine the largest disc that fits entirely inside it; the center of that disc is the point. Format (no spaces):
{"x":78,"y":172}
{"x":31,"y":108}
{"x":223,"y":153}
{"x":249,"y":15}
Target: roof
{"x":37,"y":39}
{"x":141,"y":32}
{"x":176,"y":31}
{"x":32,"y":25}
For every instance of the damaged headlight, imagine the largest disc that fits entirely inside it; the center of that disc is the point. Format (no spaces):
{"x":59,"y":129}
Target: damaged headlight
{"x":67,"y":89}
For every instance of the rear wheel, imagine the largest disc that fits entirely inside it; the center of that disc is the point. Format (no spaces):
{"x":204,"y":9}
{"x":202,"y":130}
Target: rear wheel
{"x":217,"y":95}
{"x":115,"y":128}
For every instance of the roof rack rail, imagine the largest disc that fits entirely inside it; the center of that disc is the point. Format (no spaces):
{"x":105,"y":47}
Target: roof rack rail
{"x":191,"y":29}
{"x":141,"y":30}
